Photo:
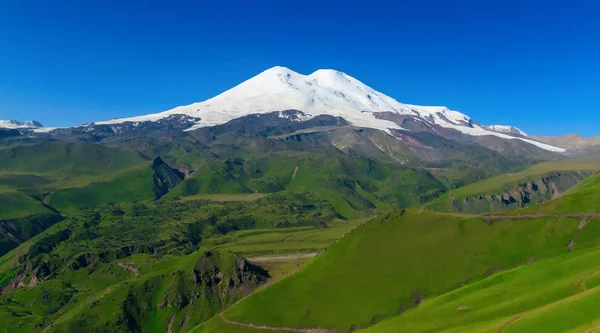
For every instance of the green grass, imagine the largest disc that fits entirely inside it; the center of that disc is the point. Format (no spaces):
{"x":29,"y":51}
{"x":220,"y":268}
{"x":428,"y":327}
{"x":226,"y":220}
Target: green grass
{"x":65,"y":160}
{"x":226,"y":197}
{"x":372,"y":273}
{"x":553,"y":295}
{"x":128,"y":186}
{"x":15,"y":204}
{"x":76,"y":175}
{"x":262,"y":242}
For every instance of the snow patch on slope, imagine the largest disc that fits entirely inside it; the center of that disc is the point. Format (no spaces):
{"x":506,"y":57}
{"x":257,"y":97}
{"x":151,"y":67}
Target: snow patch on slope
{"x":479,"y":131}
{"x":324,"y":92}
{"x":506,"y":129}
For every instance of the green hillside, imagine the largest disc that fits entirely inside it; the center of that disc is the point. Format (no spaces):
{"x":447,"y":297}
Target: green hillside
{"x":104,"y":239}
{"x":16,"y":204}
{"x":40,"y":182}
{"x":129,"y":186}
{"x":66,"y":161}
{"x":103,"y":268}
{"x":553,"y":295}
{"x":355,"y":186}
{"x":370,"y":274}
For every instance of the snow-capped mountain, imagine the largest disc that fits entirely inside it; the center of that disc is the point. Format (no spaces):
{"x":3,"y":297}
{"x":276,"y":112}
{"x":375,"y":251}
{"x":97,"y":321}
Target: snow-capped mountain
{"x":13,"y":124}
{"x":324,"y":92}
{"x":506,"y":129}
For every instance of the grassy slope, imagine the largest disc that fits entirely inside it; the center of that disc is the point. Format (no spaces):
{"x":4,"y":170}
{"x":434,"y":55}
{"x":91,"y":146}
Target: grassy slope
{"x":128,"y":186}
{"x":16,"y":204}
{"x":509,"y":181}
{"x":355,"y":186}
{"x":64,"y":160}
{"x":280,"y":241}
{"x":370,"y":274}
{"x":83,"y":173}
{"x":555,"y":295}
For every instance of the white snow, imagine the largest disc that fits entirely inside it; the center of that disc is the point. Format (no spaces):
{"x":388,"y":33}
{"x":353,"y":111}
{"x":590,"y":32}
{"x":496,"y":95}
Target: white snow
{"x":324,"y":92}
{"x":506,"y":129}
{"x":479,"y":131}
{"x":44,"y":129}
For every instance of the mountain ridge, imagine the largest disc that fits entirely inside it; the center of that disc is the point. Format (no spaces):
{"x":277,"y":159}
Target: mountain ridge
{"x":569,"y":141}
{"x":14,"y":124}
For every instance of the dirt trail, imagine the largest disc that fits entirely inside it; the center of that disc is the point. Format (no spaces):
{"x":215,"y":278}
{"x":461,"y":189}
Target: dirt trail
{"x":132,"y":269}
{"x":490,"y":218}
{"x":581,"y":291}
{"x":280,"y":329}
{"x":581,"y":225}
{"x":46,"y":200}
{"x":501,"y":328}
{"x":294,"y":175}
{"x":170,"y":327}
{"x":289,"y":256}
{"x":89,"y":301}
{"x":580,"y":284}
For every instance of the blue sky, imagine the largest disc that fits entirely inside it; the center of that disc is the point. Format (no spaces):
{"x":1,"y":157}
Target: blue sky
{"x":533,"y":64}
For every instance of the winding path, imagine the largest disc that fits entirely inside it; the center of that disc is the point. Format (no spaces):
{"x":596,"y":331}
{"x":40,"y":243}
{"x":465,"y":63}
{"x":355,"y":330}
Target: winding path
{"x":490,"y":218}
{"x":279,"y":329}
{"x":285,"y":257}
{"x":132,"y":269}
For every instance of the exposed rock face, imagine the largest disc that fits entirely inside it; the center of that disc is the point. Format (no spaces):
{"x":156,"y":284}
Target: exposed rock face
{"x":8,"y":133}
{"x":272,"y":124}
{"x":99,"y":132}
{"x":543,"y":189}
{"x":212,"y":270}
{"x":165,"y":177}
{"x":13,"y":232}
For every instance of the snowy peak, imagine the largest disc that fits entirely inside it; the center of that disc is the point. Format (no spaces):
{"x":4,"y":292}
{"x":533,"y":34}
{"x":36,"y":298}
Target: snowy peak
{"x":13,"y":124}
{"x":324,"y":92}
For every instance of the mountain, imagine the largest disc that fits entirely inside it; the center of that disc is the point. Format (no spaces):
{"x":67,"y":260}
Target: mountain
{"x":325,"y":92}
{"x":143,"y":224}
{"x":13,"y":124}
{"x":569,"y":141}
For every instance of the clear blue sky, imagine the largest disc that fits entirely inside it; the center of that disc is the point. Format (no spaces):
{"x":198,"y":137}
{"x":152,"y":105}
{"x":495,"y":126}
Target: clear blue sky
{"x":533,"y":64}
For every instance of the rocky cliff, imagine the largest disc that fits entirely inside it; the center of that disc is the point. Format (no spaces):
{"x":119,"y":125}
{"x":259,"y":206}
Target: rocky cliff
{"x":547,"y":187}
